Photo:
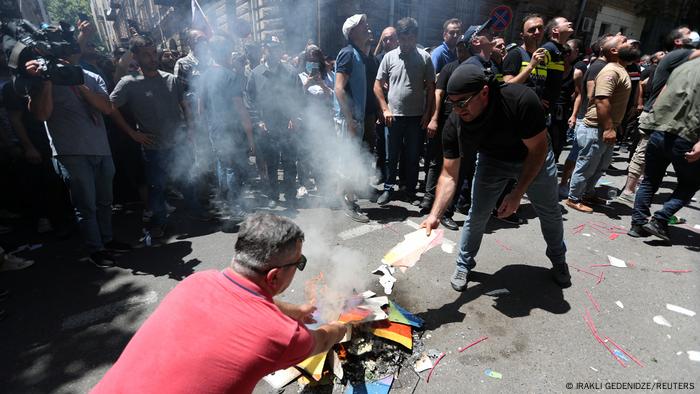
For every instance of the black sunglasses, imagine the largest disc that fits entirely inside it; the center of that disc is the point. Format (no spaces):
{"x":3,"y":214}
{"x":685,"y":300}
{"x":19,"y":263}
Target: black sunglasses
{"x":461,"y":104}
{"x":301,"y":263}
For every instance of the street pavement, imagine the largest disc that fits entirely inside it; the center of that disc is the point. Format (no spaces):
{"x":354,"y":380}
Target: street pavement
{"x":68,"y":320}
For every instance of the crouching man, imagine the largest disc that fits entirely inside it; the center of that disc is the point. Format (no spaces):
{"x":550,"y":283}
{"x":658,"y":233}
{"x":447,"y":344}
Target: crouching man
{"x":222,"y":331}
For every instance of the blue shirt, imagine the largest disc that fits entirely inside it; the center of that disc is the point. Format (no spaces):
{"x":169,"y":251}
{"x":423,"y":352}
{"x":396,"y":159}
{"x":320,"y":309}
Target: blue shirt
{"x":351,"y":62}
{"x":441,"y":56}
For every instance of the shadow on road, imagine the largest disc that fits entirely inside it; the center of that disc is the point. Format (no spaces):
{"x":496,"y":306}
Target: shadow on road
{"x":41,"y":353}
{"x":530,"y":288}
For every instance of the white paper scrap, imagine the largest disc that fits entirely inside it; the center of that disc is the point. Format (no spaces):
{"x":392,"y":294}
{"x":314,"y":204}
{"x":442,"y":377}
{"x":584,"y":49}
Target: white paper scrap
{"x":618,"y":303}
{"x":660,"y":320}
{"x":680,"y":309}
{"x":615,"y":262}
{"x":447,"y":247}
{"x":423,"y":363}
{"x":693,"y":355}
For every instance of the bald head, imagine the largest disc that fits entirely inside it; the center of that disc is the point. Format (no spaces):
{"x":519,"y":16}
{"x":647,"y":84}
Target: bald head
{"x":609,"y":45}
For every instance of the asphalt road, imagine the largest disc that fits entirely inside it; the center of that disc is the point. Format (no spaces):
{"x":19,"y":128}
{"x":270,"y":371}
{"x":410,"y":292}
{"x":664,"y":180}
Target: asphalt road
{"x":68,"y":321}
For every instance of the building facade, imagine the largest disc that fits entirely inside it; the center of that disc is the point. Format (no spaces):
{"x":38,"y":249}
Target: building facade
{"x":298,"y":21}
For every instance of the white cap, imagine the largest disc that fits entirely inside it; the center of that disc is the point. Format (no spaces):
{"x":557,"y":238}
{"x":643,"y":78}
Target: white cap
{"x":352,"y":22}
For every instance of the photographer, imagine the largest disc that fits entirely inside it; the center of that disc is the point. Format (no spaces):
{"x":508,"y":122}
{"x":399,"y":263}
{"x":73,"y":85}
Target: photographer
{"x":81,"y":152}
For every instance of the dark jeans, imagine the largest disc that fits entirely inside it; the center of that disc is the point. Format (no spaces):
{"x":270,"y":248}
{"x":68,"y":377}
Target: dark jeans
{"x":664,"y":149}
{"x":405,"y":138}
{"x":380,"y":150}
{"x":491,"y":178}
{"x":230,"y":149}
{"x":89,"y":179}
{"x":275,"y":148}
{"x":160,"y":167}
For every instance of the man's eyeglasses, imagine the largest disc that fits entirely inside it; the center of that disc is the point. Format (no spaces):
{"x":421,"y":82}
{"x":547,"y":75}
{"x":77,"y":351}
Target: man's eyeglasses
{"x":461,"y":104}
{"x":301,"y":263}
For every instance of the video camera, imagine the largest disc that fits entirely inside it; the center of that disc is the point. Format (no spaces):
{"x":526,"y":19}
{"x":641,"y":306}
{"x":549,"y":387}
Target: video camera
{"x":22,"y":42}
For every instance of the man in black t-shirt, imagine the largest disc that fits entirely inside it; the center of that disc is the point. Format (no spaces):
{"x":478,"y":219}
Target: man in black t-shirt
{"x":506,"y":124}
{"x":434,"y":149}
{"x":525,"y":64}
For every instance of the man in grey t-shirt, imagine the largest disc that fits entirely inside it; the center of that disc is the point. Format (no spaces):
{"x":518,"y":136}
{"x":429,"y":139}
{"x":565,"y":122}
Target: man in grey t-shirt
{"x":411,"y":77}
{"x":82,"y":155}
{"x":155,"y":98}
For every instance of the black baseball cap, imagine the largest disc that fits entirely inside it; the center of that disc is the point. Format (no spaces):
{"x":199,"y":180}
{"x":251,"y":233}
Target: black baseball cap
{"x":466,"y":78}
{"x":475,"y":30}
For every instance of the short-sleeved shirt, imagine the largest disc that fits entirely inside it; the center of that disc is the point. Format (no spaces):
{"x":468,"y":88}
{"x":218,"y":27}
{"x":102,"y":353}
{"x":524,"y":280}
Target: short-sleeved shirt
{"x":215,"y":332}
{"x":441,"y":83}
{"x":408,"y":75}
{"x":486,"y":65}
{"x":514,"y":114}
{"x":590,"y":75}
{"x":518,"y":59}
{"x":666,"y":66}
{"x":348,"y":60}
{"x":441,"y":56}
{"x":75,"y":126}
{"x":554,"y":62}
{"x":218,"y":87}
{"x":677,"y":109}
{"x":155,"y":104}
{"x":614,"y":83}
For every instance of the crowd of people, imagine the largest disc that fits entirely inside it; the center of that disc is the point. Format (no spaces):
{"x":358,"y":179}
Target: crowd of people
{"x":234,"y":132}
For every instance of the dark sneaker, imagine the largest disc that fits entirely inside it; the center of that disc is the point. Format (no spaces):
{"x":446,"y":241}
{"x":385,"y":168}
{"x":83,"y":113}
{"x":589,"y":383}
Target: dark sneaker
{"x":561,"y":275}
{"x":638,"y":231}
{"x":355,"y":214}
{"x":459,"y":279}
{"x":463,"y":209}
{"x":449,"y":223}
{"x":412,"y":199}
{"x":384,"y":198}
{"x":116,"y":246}
{"x":513,"y":219}
{"x":655,"y":227}
{"x":102,"y":259}
{"x":426,"y":205}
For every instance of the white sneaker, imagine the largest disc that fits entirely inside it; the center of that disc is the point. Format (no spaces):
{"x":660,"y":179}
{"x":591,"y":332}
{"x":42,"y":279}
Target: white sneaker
{"x":11,"y":262}
{"x":43,"y":226}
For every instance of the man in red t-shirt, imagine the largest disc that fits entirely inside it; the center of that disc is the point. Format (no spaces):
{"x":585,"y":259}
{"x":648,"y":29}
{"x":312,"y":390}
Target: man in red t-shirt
{"x":221,"y":331}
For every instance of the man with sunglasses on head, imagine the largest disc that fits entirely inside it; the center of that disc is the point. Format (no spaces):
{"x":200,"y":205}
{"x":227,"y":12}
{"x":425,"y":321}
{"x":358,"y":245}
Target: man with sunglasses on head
{"x":222,"y":331}
{"x":506,"y":124}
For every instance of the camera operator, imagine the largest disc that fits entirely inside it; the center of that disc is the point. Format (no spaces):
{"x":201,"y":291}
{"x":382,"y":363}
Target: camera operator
{"x":81,"y":153}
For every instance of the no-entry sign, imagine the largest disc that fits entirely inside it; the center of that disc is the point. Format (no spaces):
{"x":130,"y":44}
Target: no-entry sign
{"x":501,"y":17}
